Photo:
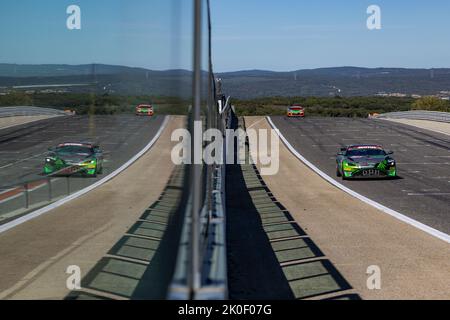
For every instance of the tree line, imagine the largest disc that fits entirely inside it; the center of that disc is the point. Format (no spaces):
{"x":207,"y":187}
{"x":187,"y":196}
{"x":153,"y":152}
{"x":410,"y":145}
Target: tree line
{"x":85,"y":103}
{"x":339,"y":106}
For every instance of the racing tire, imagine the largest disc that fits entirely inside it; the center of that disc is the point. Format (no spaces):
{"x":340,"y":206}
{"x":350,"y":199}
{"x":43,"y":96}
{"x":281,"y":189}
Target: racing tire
{"x":338,"y":173}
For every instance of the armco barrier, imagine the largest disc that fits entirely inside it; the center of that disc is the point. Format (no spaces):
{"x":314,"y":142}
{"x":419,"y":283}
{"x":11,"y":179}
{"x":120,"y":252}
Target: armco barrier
{"x":417,"y":115}
{"x":6,"y":112}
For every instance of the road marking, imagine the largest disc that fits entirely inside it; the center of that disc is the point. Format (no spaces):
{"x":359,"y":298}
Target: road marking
{"x":427,"y":229}
{"x":343,"y":130}
{"x":412,"y":125}
{"x":429,"y":194}
{"x":14,"y":193}
{"x":381,"y":135}
{"x":417,"y":145}
{"x":7,"y":226}
{"x":357,"y":139}
{"x":22,"y":160}
{"x":327,"y":145}
{"x":318,"y":135}
{"x":424,"y":163}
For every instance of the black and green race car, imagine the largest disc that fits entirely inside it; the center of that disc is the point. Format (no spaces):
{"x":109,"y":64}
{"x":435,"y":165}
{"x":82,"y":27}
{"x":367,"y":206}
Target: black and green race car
{"x":365,"y":161}
{"x":74,"y":158}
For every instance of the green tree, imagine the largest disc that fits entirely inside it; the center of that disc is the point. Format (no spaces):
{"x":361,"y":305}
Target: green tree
{"x":16,"y":98}
{"x":431,"y":104}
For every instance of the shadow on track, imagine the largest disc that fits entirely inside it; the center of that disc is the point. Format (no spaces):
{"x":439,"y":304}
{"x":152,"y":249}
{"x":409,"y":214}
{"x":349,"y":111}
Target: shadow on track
{"x":140,"y":265}
{"x":270,"y":257}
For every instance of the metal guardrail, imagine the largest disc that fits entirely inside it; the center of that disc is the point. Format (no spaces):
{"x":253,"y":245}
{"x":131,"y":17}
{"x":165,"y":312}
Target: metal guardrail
{"x":201,"y":268}
{"x":210,"y":255}
{"x":417,"y":115}
{"x":21,"y":198}
{"x":6,"y":112}
{"x":212,"y":263}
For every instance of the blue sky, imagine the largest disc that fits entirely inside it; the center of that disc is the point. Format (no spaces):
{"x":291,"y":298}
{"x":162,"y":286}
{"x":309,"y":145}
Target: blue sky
{"x":297,"y":34}
{"x":248,"y":34}
{"x":144,"y":33}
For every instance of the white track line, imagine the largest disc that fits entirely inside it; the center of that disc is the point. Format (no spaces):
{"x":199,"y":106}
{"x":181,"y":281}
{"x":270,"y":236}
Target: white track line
{"x":431,"y":231}
{"x":415,"y":126}
{"x":37,"y":213}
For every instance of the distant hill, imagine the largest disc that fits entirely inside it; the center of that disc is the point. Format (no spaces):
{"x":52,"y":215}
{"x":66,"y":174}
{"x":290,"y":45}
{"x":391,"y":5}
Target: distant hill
{"x":61,"y":70}
{"x":98,"y":78}
{"x":344,"y":81}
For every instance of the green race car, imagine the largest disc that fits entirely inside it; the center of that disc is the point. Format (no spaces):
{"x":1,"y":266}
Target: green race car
{"x":74,"y":158}
{"x":365,"y":161}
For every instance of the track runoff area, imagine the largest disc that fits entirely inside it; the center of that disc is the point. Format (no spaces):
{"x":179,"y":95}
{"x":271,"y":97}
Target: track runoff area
{"x":23,"y":149}
{"x":422,"y":190}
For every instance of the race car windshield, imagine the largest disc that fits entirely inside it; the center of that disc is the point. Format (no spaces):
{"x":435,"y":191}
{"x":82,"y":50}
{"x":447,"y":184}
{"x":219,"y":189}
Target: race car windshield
{"x":79,"y":150}
{"x":365,"y":152}
{"x":296,"y":108}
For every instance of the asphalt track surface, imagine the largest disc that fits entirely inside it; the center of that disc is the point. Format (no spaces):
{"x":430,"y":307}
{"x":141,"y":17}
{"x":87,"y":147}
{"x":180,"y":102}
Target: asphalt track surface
{"x":23,"y":149}
{"x":422,"y":190}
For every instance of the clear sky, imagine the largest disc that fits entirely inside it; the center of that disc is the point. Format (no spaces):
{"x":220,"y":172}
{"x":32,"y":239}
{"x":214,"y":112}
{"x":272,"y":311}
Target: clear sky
{"x":155,"y":34}
{"x":297,"y":34}
{"x":248,"y":34}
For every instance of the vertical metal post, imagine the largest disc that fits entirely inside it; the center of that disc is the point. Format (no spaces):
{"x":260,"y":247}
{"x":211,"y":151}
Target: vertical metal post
{"x":210,"y":109}
{"x":196,"y":174}
{"x":49,"y":184}
{"x":27,"y":196}
{"x":68,"y":185}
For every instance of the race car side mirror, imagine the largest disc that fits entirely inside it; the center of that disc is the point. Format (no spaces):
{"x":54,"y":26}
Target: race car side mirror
{"x":390,"y":152}
{"x":340,"y":153}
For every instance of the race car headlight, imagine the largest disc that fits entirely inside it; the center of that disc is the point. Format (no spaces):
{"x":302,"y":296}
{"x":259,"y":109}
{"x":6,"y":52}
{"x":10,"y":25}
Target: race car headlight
{"x":49,"y":160}
{"x":391,"y":163}
{"x":350,"y":164}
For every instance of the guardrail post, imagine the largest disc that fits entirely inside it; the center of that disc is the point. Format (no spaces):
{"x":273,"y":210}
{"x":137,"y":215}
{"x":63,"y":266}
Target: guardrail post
{"x":196,"y":174}
{"x":27,"y":199}
{"x":68,"y":185}
{"x":49,"y":183}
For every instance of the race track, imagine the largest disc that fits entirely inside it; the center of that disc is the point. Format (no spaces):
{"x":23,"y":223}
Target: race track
{"x":23,"y":149}
{"x":422,"y":190}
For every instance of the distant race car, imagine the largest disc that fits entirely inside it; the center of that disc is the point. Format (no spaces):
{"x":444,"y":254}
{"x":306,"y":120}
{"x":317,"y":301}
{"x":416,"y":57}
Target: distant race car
{"x":296,"y":111}
{"x":145,"y":110}
{"x":365,"y":161}
{"x":74,"y":158}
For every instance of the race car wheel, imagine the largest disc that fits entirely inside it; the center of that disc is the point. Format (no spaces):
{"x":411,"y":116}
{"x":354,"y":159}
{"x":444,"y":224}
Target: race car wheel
{"x":338,"y":173}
